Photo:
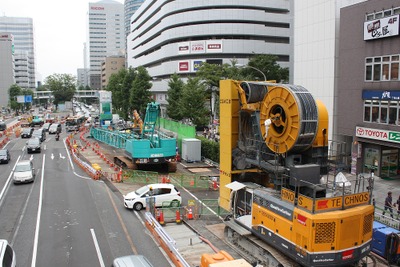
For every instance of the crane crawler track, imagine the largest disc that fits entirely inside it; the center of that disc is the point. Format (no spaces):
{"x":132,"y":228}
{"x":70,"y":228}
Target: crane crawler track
{"x":253,"y":249}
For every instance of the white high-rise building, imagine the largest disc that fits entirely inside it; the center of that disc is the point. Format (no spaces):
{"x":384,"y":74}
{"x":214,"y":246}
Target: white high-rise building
{"x":130,"y":8}
{"x":106,"y":36}
{"x":22,"y":30}
{"x":316,"y":38}
{"x":170,"y":37}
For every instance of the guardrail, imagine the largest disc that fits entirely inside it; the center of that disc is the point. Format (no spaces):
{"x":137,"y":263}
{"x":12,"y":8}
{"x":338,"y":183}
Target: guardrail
{"x":165,"y":241}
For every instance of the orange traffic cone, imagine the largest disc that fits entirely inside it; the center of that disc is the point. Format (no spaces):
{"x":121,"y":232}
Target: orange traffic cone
{"x":178,"y":217}
{"x":157,"y":215}
{"x":161,"y":218}
{"x":215,"y":185}
{"x":190,"y":214}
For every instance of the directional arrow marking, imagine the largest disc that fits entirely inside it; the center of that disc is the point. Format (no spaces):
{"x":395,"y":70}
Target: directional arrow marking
{"x":52,"y":156}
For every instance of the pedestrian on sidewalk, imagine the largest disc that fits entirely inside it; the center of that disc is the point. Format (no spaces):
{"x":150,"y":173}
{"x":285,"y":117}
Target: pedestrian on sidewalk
{"x":388,"y":204}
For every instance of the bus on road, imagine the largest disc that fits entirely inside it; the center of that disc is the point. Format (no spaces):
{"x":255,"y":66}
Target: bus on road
{"x":74,"y":123}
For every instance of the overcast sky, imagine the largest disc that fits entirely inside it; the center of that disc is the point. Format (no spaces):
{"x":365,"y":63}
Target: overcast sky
{"x":60,"y":31}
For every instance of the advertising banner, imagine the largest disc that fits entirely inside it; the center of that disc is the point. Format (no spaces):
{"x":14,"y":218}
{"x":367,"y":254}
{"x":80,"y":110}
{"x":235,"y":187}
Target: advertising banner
{"x":380,"y":28}
{"x":105,"y":96}
{"x":197,"y":47}
{"x":20,"y":98}
{"x":378,"y":134}
{"x":184,"y":48}
{"x":214,"y":46}
{"x":183,"y":66}
{"x":196,"y":64}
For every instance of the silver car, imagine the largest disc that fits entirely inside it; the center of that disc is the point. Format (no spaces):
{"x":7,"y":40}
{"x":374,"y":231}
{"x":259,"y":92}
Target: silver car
{"x":7,"y":254}
{"x":24,"y":172}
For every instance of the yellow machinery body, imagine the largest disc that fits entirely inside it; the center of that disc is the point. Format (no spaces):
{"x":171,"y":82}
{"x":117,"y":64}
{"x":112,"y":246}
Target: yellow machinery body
{"x":310,"y":226}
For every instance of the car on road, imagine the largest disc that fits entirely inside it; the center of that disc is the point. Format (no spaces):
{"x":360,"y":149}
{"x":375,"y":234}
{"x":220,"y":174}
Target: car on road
{"x":33,"y":145}
{"x":55,"y":128}
{"x":3,"y":126}
{"x":7,"y":254}
{"x":26,"y":132}
{"x":24,"y":172}
{"x":164,"y":195}
{"x":46,"y":126}
{"x":5,"y":156}
{"x":39,"y":133}
{"x":131,"y":261}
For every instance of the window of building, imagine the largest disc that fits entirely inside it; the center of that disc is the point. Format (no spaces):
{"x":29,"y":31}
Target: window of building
{"x":383,"y":13}
{"x":379,"y":15}
{"x":385,"y":68}
{"x":382,"y":111}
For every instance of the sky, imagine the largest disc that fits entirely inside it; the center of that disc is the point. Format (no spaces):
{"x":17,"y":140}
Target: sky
{"x":60,"y":29}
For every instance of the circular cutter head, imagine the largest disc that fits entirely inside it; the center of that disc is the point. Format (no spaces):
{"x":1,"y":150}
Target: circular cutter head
{"x":294,"y":116}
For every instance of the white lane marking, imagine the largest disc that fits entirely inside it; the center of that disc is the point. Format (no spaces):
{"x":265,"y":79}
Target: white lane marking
{"x":45,"y":147}
{"x":23,"y":148}
{"x":35,"y":242}
{"x":96,"y":244}
{"x":72,"y":165}
{"x":52,"y":156}
{"x":69,"y":156}
{"x":22,"y":216}
{"x":31,"y":158}
{"x":8,"y":180}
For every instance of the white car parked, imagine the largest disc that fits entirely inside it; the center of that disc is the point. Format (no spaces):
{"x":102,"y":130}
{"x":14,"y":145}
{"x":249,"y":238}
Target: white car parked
{"x":164,"y":194}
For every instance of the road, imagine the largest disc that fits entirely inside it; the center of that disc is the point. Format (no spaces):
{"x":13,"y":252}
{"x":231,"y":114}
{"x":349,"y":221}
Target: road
{"x":64,"y":218}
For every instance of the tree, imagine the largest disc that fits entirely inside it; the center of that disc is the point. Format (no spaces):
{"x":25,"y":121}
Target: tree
{"x":193,"y":101}
{"x":174,"y":93}
{"x":268,"y":65}
{"x":140,"y":94}
{"x":13,"y":92}
{"x":63,"y":87}
{"x":115,"y":85}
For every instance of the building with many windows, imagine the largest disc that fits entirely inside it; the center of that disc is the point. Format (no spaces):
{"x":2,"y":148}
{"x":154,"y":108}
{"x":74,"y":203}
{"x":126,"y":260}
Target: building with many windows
{"x":111,"y":65}
{"x":368,"y":99}
{"x":106,"y":36}
{"x":24,"y":50}
{"x":7,"y":77}
{"x":82,"y":77}
{"x":170,"y":37}
{"x":130,"y":7}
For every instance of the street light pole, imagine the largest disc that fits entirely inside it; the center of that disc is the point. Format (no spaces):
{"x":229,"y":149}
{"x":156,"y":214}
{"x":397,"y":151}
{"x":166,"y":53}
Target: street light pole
{"x":254,"y":68}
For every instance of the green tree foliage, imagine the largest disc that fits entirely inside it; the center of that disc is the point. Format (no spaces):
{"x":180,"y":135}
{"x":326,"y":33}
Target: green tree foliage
{"x":268,"y":65}
{"x":140,"y":94}
{"x":175,"y":91}
{"x":63,"y":87}
{"x":193,"y":102}
{"x":120,"y":85}
{"x":13,"y":92}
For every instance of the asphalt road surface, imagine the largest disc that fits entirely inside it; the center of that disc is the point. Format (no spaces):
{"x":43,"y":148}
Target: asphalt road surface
{"x":64,"y":218}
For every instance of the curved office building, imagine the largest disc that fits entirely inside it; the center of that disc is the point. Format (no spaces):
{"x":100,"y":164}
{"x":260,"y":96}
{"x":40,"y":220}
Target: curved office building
{"x":170,"y":36}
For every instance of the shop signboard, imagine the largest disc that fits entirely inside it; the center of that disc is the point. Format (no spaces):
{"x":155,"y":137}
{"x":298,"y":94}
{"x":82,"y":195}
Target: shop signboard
{"x":378,"y":134}
{"x":380,"y":28}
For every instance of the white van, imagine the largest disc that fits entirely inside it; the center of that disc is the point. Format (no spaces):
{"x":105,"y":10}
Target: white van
{"x":7,"y":254}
